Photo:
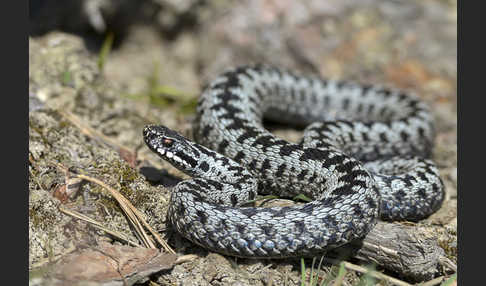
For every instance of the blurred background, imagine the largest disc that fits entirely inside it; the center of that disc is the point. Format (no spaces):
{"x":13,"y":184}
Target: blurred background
{"x":405,"y":43}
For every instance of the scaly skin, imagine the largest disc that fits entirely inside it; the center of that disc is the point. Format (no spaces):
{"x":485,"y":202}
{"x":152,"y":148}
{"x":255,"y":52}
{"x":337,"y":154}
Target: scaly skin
{"x":363,"y":157}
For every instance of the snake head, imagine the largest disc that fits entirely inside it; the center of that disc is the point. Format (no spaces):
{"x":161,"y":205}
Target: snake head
{"x":170,"y":146}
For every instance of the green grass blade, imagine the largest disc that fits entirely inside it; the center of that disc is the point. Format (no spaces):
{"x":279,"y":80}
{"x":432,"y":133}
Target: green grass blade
{"x":311,"y":282}
{"x":449,"y":281}
{"x":302,"y":197}
{"x":105,"y":50}
{"x":302,"y":269}
{"x":340,"y":277}
{"x":367,"y":279}
{"x":319,"y":268}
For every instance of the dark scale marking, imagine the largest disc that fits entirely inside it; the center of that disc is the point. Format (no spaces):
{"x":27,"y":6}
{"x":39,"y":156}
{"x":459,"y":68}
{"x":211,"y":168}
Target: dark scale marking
{"x":402,"y":97}
{"x":357,"y":210}
{"x":360,"y":183}
{"x":346,"y":102}
{"x":365,"y":136}
{"x":226,"y":97}
{"x":180,"y":209}
{"x":287,"y":150}
{"x":234,"y":200}
{"x":202,"y":216}
{"x":422,"y":193}
{"x":303,"y":96}
{"x":264,"y":141}
{"x":422,"y":176}
{"x":313,"y":178}
{"x":260,"y":94}
{"x":376,"y":149}
{"x":408,"y":179}
{"x":293,"y":94}
{"x":268,"y":230}
{"x":239,"y":156}
{"x":302,"y":174}
{"x":337,"y":161}
{"x":352,"y":176}
{"x":400,"y":194}
{"x":194,"y":190}
{"x":205,"y":131}
{"x":225,"y":160}
{"x":308,"y":208}
{"x":343,"y":168}
{"x":253,"y":100}
{"x":347,"y":123}
{"x":383,"y":111}
{"x":313,"y":98}
{"x":252,"y":164}
{"x":250,"y":134}
{"x":280,"y":171}
{"x":222,"y":146}
{"x":204,"y":166}
{"x":253,"y":110}
{"x":235,"y":168}
{"x":276,"y":89}
{"x":404,"y":135}
{"x":205,"y":151}
{"x":365,"y":88}
{"x":345,"y":190}
{"x":215,"y":184}
{"x":383,"y":137}
{"x":249,"y":212}
{"x":300,"y":226}
{"x":404,"y":120}
{"x":266,"y":165}
{"x":281,"y":212}
{"x":237,"y":130}
{"x":371,"y":202}
{"x":260,"y":187}
{"x":230,"y":111}
{"x":371,"y":108}
{"x":421,"y":132}
{"x":241,"y":228}
{"x":386,"y":92}
{"x":244,"y":71}
{"x":190,"y":160}
{"x":202,"y":183}
{"x":314,"y":154}
{"x":351,"y":137}
{"x":244,"y":137}
{"x":341,"y":83}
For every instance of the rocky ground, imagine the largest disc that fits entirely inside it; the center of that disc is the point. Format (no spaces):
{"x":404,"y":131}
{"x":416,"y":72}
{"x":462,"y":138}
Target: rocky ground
{"x":86,"y":113}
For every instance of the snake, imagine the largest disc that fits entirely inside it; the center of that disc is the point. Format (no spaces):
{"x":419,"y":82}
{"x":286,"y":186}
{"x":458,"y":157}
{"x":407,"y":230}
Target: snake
{"x":365,"y":155}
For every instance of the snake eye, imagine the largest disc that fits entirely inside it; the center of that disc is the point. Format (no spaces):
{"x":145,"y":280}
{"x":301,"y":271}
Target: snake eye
{"x":167,"y":142}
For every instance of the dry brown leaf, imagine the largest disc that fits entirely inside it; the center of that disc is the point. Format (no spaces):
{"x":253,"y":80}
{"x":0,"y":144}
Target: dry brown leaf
{"x":110,"y":264}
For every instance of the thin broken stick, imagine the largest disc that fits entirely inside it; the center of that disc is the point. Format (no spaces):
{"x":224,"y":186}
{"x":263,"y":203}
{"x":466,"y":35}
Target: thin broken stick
{"x":372,"y":273}
{"x":98,"y":225}
{"x":134,"y":215}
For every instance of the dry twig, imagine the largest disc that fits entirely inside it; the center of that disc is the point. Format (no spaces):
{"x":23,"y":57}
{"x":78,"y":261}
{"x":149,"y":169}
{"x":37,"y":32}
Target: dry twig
{"x":135,"y":217}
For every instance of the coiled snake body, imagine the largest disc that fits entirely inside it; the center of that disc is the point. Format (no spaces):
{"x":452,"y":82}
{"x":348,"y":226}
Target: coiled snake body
{"x":362,"y":156}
